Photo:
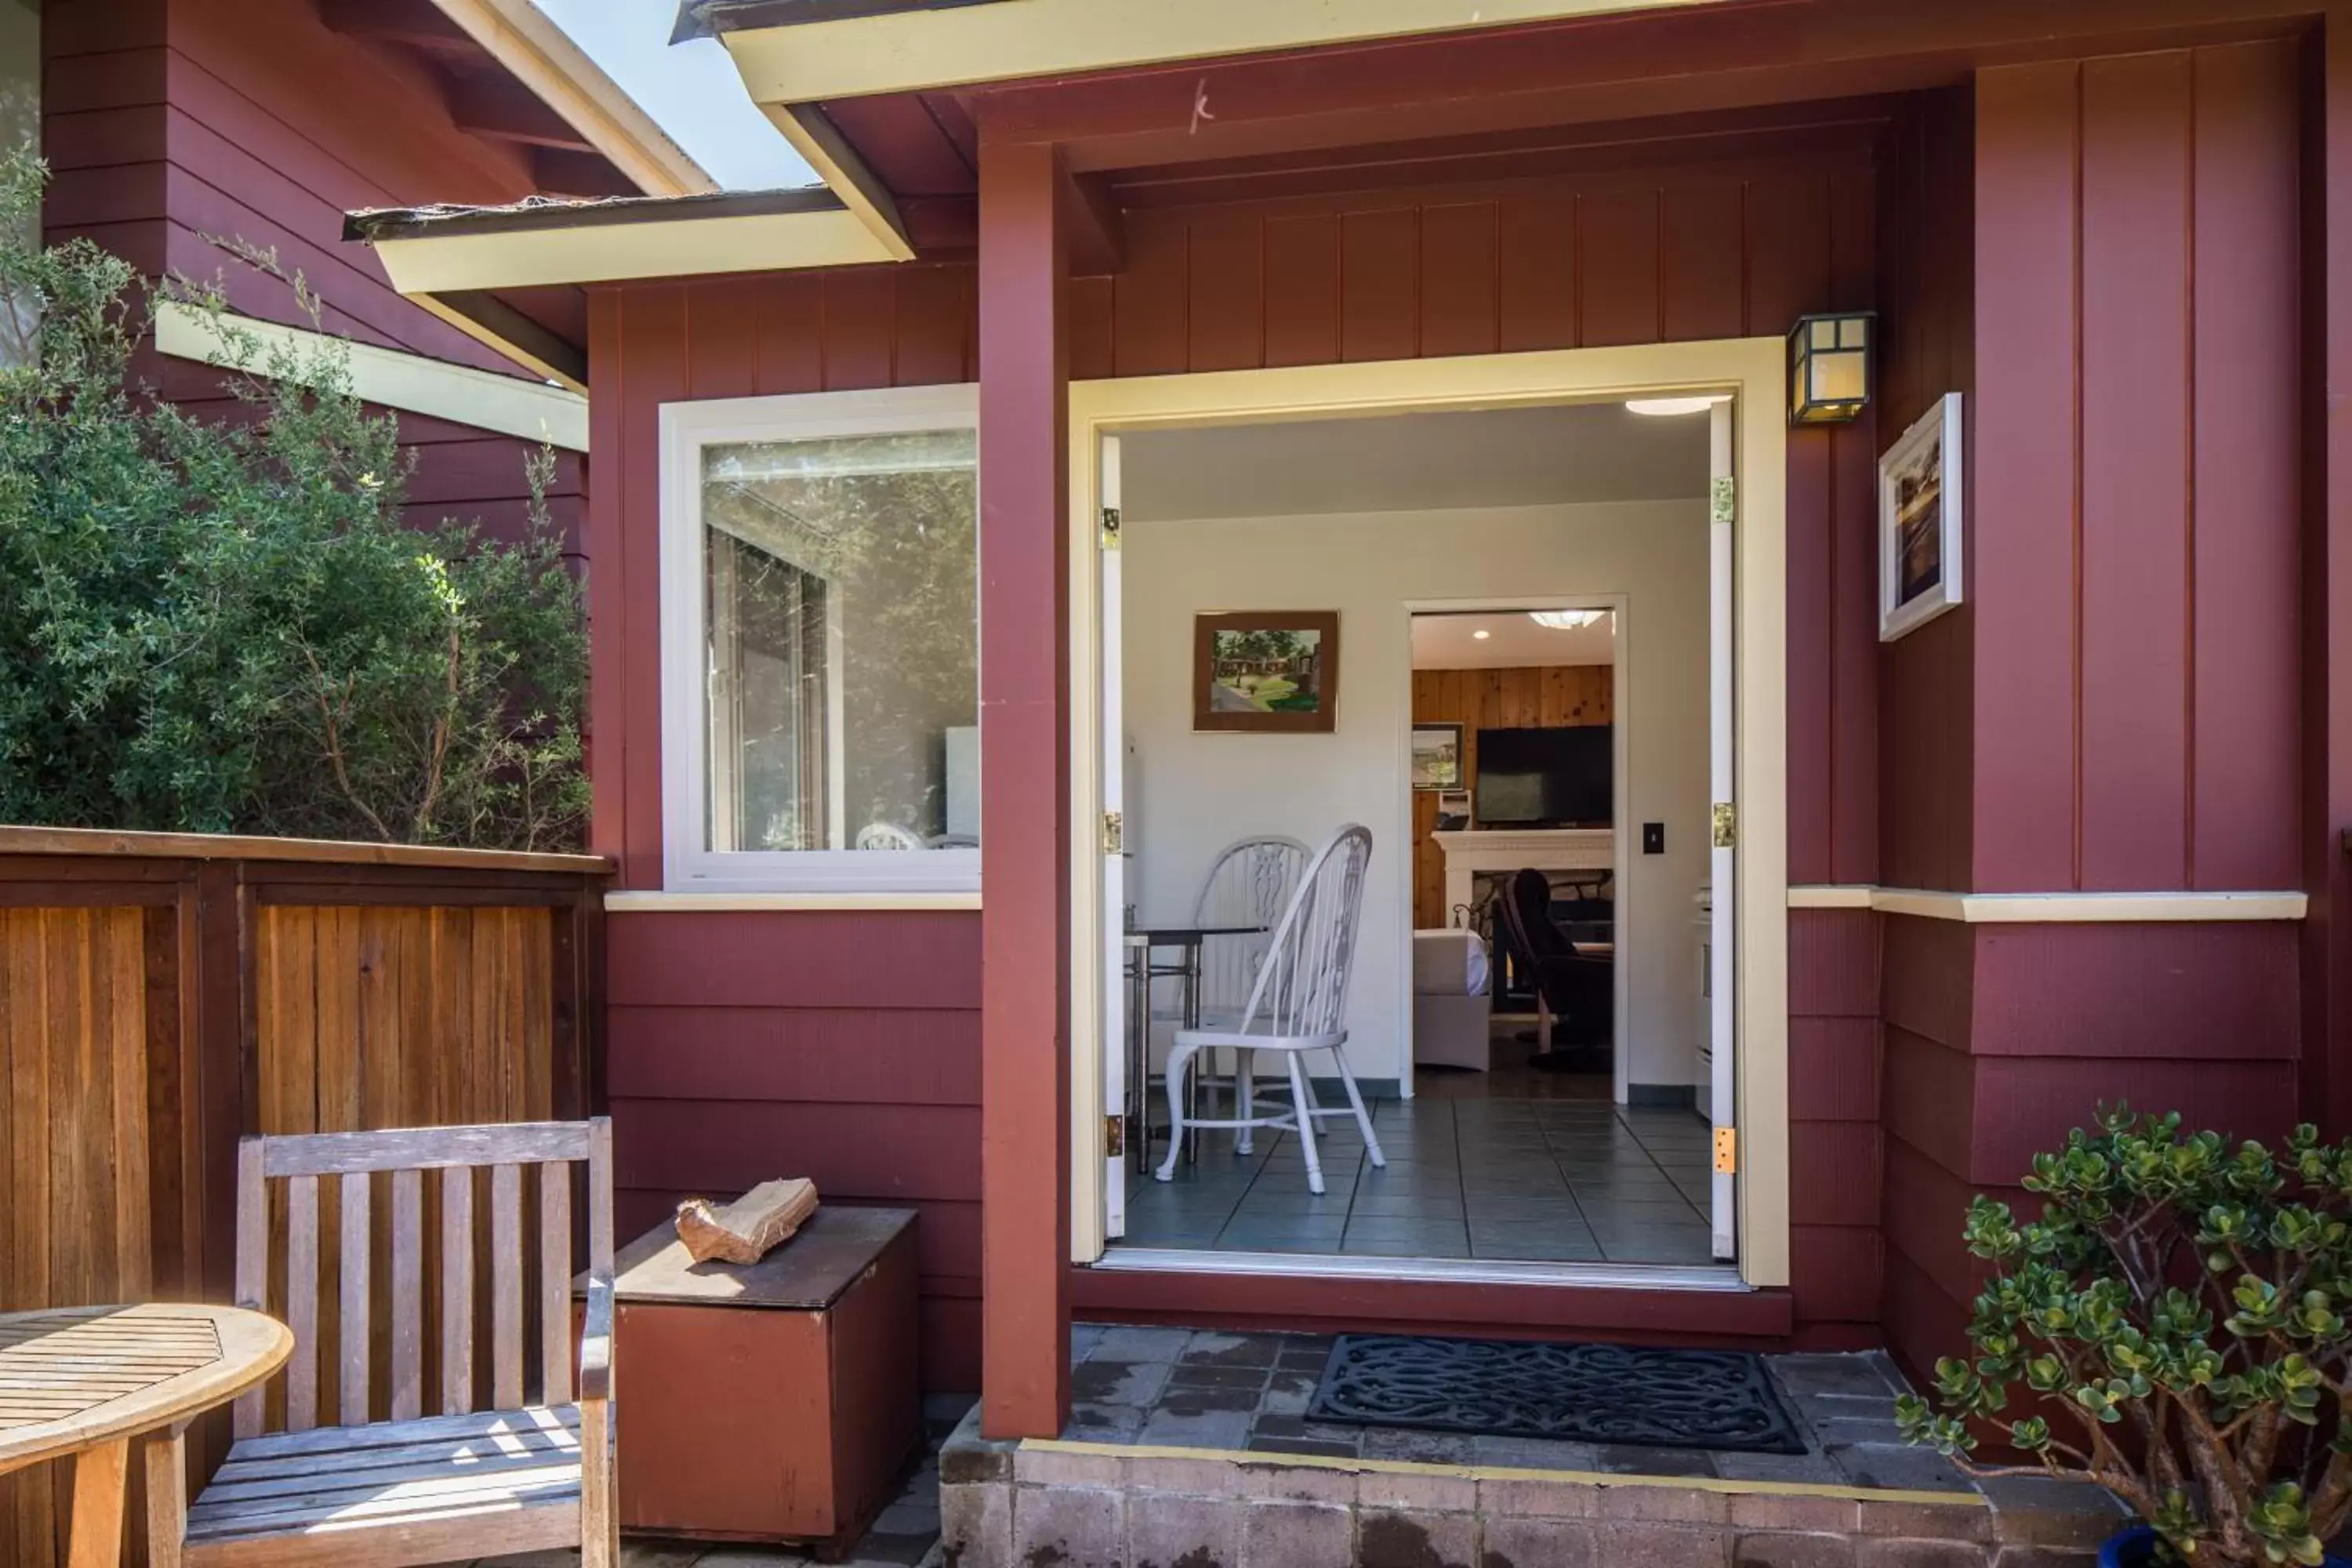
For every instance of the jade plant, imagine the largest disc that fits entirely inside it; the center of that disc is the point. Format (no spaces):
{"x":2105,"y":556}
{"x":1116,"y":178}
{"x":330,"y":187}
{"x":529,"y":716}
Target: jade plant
{"x":2177,"y":1317}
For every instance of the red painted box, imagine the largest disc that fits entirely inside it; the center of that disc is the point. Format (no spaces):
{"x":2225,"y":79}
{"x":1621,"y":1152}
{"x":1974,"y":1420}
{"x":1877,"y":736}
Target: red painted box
{"x":776,"y":1402}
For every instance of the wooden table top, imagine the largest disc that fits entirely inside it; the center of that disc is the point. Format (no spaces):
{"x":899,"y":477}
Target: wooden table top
{"x":74,"y":1377}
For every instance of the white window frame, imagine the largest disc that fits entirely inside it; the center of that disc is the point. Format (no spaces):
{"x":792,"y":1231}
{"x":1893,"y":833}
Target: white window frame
{"x":686,"y":429}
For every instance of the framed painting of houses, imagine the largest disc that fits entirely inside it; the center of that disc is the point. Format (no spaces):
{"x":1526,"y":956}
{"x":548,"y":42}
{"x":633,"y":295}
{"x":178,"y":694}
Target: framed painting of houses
{"x":1267,"y":672}
{"x":1919,"y":521}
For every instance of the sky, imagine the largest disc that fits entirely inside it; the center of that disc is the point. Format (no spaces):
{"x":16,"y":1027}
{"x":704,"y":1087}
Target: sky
{"x":692,"y":90}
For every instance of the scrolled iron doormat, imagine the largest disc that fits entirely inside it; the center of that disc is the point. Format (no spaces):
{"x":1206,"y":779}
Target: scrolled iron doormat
{"x":1576,"y":1393}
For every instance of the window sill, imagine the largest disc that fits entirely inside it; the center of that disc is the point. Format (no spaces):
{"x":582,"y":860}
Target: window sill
{"x":648,"y":902}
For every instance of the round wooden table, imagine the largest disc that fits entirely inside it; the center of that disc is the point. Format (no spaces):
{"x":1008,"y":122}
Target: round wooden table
{"x":80,"y":1382}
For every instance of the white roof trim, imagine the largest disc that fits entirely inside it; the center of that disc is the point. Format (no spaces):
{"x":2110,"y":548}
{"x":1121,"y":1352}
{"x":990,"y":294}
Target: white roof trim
{"x":394,"y":378}
{"x":543,"y":59}
{"x":918,"y":50}
{"x":609,"y":252}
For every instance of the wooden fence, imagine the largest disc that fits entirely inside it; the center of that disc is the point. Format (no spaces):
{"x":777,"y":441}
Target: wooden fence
{"x":161,"y":995}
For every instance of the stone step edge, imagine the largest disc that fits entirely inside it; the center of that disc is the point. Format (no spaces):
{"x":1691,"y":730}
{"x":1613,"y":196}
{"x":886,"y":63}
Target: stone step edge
{"x":1257,"y":1459}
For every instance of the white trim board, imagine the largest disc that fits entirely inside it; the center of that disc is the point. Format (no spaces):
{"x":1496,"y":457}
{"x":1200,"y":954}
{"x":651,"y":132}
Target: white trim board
{"x":649,"y":902}
{"x":2056,"y":909}
{"x":655,"y":247}
{"x":393,"y":378}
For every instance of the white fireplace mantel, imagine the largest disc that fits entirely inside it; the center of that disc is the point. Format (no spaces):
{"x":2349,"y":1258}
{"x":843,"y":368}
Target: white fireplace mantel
{"x":1471,"y":851}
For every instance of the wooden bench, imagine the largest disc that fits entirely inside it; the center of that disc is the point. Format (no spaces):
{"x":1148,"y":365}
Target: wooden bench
{"x":384,"y":1484}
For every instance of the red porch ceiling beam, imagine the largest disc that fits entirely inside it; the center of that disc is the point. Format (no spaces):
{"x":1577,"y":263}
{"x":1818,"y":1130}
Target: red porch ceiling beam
{"x":1612,"y":67}
{"x":1024,"y":791}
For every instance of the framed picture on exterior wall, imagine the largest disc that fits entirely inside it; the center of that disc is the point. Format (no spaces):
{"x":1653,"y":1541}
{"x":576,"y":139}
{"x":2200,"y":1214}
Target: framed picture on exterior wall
{"x":1437,"y":756}
{"x":1919,"y":521}
{"x":1267,"y":672}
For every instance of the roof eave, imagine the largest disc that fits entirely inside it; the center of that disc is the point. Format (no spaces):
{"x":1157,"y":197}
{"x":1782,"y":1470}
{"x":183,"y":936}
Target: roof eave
{"x":940,"y":47}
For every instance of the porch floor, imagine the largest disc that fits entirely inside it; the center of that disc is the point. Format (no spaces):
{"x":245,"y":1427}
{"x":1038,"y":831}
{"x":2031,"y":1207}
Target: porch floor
{"x":1192,"y":1448}
{"x":1541,"y":1181}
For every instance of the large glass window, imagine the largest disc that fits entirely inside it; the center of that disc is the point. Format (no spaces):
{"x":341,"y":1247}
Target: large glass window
{"x":831,"y":553}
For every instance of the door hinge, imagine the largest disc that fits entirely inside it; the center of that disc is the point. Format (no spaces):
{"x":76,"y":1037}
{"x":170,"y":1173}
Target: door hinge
{"x":1114,"y":837}
{"x":1726,"y":824}
{"x":1727,"y":1150}
{"x":1723,"y":499}
{"x":1114,"y":1137}
{"x":1110,"y":528}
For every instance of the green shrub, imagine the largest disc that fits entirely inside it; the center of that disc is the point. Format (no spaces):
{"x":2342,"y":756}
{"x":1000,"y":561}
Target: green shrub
{"x":2177,"y":1313}
{"x":222,"y":625}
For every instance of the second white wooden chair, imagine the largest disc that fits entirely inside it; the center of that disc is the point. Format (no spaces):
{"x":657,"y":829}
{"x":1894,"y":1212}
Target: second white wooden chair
{"x":1297,"y":1003}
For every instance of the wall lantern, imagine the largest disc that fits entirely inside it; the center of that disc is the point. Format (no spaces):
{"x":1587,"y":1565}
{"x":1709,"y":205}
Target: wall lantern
{"x":1829,"y":367}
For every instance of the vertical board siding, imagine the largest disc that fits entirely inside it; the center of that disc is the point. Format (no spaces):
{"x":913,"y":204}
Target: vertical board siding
{"x":2136,"y":471}
{"x":1835,"y":1141}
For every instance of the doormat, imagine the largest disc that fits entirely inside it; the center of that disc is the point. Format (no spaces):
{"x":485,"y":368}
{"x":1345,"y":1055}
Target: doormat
{"x":1576,"y":1393}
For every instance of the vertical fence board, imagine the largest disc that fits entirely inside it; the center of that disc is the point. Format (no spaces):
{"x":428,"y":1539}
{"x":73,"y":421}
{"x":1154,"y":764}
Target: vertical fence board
{"x":139,"y":1039}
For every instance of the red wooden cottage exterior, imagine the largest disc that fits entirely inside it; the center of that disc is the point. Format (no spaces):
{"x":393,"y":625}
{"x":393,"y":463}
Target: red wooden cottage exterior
{"x":2075,"y":841}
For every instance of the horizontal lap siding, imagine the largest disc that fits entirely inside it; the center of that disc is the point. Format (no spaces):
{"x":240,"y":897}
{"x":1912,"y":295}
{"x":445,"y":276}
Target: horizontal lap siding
{"x":174,"y":131}
{"x":844,"y":1049}
{"x":743,"y":1045}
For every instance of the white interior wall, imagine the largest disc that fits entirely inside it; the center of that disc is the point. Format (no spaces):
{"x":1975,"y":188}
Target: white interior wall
{"x":1200,"y":792}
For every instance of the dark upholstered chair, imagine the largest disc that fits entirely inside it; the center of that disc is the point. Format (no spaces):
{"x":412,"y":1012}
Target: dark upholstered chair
{"x":1579,"y":991}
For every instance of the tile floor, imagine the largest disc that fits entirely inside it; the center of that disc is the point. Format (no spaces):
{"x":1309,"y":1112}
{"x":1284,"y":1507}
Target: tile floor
{"x":1551,"y":1180}
{"x":1250,"y":1392}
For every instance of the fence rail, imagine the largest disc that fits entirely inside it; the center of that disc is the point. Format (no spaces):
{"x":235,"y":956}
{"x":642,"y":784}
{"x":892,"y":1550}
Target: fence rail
{"x":162,"y":994}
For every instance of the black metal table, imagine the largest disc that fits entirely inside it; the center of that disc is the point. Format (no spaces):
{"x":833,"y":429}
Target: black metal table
{"x":1142,"y":942}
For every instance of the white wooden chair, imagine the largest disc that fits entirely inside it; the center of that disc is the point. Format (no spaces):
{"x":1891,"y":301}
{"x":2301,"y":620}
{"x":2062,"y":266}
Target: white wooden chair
{"x":1297,"y":1004}
{"x":534,"y":1470}
{"x":1249,"y":884}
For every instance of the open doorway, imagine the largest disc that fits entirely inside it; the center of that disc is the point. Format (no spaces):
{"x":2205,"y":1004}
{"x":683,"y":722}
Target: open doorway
{"x":1383,"y":539}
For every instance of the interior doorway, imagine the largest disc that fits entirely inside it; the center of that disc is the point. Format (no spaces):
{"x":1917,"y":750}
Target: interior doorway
{"x":1261,"y":695}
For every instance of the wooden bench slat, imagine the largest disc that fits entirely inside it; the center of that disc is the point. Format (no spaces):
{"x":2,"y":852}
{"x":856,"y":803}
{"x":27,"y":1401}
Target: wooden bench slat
{"x":423,"y":1148}
{"x":506,"y":1286}
{"x":406,"y":1400}
{"x":302,"y":1301}
{"x":555,"y":1282}
{"x":457,"y":1290}
{"x":480,"y":1426}
{"x":351,"y":1339}
{"x":252,"y":1269}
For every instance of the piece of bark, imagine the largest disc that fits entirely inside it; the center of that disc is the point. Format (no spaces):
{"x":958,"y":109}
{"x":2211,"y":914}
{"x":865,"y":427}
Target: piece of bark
{"x":749,"y":1229}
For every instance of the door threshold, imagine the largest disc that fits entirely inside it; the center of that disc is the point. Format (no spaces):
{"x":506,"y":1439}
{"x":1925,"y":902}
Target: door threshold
{"x":1718,"y":1277}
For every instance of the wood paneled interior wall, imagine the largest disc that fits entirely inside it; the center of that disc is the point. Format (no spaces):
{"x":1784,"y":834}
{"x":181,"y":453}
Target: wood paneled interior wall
{"x":130,"y":988}
{"x":1547,"y":697}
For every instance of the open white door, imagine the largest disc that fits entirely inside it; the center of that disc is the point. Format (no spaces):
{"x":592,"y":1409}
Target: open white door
{"x":1116,"y":1001}
{"x":1722,"y":1038}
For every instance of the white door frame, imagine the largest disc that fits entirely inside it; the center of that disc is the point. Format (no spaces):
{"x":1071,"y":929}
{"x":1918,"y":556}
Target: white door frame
{"x":1754,"y":371}
{"x":1620,"y":764}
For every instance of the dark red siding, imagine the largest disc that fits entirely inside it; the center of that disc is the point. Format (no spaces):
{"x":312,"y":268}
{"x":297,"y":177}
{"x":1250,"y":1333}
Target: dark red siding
{"x":750,"y":1045}
{"x":2128,"y":320}
{"x":176,"y":130}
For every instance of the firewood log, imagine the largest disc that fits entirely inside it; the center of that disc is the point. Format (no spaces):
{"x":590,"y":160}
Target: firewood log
{"x":749,"y":1229}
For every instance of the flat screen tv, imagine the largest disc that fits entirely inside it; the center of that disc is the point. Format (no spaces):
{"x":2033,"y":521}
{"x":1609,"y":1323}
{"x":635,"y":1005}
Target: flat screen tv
{"x":1546,"y":778}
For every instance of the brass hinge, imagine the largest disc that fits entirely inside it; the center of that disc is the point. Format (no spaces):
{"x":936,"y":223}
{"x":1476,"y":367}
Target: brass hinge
{"x":1114,"y":833}
{"x":1723,"y":499}
{"x":1110,"y":528}
{"x":1726,"y":824}
{"x":1114,"y":1137}
{"x":1727,"y":1150}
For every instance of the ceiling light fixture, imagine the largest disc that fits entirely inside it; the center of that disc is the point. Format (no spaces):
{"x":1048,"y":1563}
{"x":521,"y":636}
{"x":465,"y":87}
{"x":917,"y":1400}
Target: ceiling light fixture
{"x":1666,"y":407}
{"x":1565,"y":620}
{"x":1481,"y":635}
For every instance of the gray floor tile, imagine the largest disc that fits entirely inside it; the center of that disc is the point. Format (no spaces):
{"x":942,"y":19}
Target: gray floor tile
{"x":1378,"y":1229}
{"x":1410,"y":1248}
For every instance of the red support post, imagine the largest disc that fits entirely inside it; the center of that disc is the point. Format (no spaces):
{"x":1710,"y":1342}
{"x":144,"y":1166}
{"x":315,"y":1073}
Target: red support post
{"x":1024,"y":794}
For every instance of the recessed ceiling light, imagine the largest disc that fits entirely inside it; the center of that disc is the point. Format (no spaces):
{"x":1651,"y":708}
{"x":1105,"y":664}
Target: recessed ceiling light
{"x":1481,"y":635}
{"x":1665,"y":407}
